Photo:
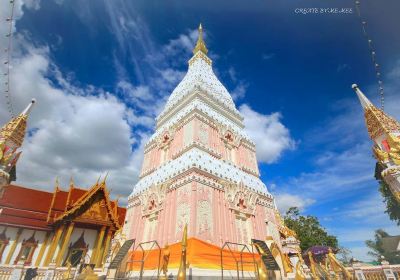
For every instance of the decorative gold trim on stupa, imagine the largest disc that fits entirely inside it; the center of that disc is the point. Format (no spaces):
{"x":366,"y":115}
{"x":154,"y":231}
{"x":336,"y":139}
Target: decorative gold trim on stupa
{"x":376,"y":120}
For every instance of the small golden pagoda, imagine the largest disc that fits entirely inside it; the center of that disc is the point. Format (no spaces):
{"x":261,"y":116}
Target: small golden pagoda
{"x":384,"y":130}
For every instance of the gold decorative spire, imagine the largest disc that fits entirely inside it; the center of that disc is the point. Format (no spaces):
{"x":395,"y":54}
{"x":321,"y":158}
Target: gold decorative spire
{"x":56,"y":190}
{"x":200,"y":45}
{"x":182,"y":266}
{"x":14,"y":130}
{"x":71,"y":187}
{"x":377,"y":121}
{"x":105,"y":178}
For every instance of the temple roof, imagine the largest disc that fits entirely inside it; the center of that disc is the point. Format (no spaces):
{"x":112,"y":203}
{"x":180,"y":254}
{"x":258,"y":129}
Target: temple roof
{"x":377,"y":121}
{"x":86,"y":200}
{"x":25,"y":207}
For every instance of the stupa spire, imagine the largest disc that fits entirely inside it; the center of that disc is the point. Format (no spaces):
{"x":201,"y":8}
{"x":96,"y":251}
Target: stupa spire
{"x":200,"y":45}
{"x":363,"y":99}
{"x":14,"y":130}
{"x":12,"y":135}
{"x":377,"y":121}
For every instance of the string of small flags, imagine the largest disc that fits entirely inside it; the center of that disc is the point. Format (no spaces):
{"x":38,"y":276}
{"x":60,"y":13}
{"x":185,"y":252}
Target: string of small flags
{"x":373,"y":54}
{"x":7,"y":61}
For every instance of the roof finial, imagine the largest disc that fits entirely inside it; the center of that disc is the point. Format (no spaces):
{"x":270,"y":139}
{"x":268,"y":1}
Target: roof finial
{"x":105,"y":178}
{"x":200,"y":45}
{"x":98,"y":180}
{"x":71,"y":182}
{"x":57,"y":184}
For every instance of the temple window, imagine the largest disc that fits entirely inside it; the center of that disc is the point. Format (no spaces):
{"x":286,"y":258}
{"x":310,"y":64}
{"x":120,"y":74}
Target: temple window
{"x":27,"y":250}
{"x":76,"y":251}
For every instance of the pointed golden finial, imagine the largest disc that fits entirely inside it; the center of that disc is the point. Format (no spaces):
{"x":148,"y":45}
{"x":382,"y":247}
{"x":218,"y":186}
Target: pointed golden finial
{"x":116,"y":206}
{"x":200,"y":45}
{"x":56,"y":190}
{"x":105,"y":178}
{"x":57,"y":185}
{"x":98,"y":180}
{"x":182,"y":267}
{"x":71,"y":186}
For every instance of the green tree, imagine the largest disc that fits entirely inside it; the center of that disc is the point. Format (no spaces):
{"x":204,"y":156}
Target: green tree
{"x":308,"y":229}
{"x":392,"y":205}
{"x":377,"y":249}
{"x":344,"y":255}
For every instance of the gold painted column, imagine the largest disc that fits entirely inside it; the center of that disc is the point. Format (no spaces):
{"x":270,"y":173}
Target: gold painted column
{"x":13,"y":246}
{"x":93,"y":256}
{"x":106,"y":247}
{"x":53,"y":246}
{"x":97,"y":251}
{"x":64,"y":244}
{"x":43,"y":248}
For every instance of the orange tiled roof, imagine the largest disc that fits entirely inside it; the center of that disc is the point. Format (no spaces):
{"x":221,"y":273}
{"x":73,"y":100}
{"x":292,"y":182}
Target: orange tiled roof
{"x":29,"y":208}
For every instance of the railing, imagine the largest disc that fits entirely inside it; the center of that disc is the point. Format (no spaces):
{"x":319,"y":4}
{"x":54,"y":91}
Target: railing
{"x":153,"y":243}
{"x":60,"y":273}
{"x":241,"y":262}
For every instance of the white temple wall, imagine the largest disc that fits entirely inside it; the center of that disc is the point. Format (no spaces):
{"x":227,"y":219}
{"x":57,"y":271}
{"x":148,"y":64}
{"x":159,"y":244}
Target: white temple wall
{"x":11,"y":232}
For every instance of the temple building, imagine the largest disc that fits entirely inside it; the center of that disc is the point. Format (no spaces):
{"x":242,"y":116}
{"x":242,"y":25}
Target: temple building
{"x":64,"y":227}
{"x":38,"y":228}
{"x":385,"y":133}
{"x":200,"y":170}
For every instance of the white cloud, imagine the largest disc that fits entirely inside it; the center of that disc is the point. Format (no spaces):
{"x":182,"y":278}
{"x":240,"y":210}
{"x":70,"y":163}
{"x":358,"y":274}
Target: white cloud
{"x":75,"y":133}
{"x":267,"y":56}
{"x":285,"y":200}
{"x":239,"y":91}
{"x":85,"y":131}
{"x":272,"y":138}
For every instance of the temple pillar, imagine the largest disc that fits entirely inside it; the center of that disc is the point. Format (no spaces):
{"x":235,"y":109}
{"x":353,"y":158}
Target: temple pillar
{"x":96,"y":255}
{"x":99,"y":257}
{"x":13,"y":246}
{"x":53,"y":245}
{"x":64,"y":244}
{"x":106,"y":246}
{"x":43,"y":248}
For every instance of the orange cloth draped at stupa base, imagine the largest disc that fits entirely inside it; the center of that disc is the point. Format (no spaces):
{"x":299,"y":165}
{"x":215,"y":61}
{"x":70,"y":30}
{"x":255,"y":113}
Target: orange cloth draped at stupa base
{"x":200,"y":254}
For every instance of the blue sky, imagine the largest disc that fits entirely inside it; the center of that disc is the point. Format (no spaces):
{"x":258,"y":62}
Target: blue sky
{"x":102,"y":70}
